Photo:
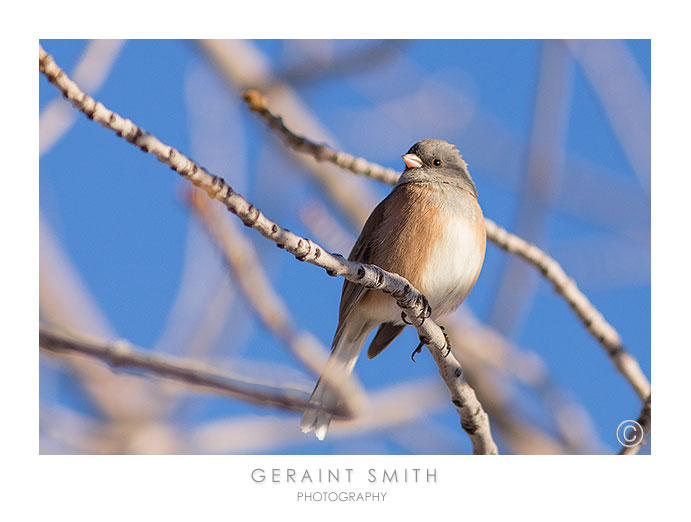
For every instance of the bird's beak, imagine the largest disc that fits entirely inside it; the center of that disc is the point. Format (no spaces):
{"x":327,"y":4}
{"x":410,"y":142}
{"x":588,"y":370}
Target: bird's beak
{"x":412,"y":161}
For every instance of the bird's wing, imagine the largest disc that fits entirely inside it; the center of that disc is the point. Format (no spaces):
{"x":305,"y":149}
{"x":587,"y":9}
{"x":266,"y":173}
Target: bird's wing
{"x":353,"y":293}
{"x":387,"y":332}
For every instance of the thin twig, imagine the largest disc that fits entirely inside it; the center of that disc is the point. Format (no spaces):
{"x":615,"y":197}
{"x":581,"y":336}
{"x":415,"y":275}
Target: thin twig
{"x":593,"y":320}
{"x":120,"y":355}
{"x":414,"y":306}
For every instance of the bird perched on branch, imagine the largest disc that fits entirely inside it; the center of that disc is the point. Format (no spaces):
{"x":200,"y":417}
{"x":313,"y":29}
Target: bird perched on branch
{"x":430,"y":230}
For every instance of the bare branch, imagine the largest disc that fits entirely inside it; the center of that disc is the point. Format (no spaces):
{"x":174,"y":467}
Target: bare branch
{"x":593,"y":320}
{"x":120,"y":355}
{"x":413,"y":304}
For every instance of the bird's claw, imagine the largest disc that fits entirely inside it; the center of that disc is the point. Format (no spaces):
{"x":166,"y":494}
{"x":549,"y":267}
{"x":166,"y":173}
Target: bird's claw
{"x":416,"y":351}
{"x":423,"y":341}
{"x":426,"y":310}
{"x":447,"y":341}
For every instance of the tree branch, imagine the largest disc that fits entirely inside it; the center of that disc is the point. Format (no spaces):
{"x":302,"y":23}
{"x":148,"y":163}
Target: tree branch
{"x":593,"y":320}
{"x":120,"y":355}
{"x":413,"y":304}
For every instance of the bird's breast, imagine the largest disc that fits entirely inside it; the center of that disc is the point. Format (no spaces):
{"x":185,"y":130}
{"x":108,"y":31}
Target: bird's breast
{"x":455,"y":259}
{"x":434,"y":236}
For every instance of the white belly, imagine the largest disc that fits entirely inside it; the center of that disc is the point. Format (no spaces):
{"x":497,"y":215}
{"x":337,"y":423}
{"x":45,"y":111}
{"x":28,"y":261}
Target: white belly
{"x":453,"y":267}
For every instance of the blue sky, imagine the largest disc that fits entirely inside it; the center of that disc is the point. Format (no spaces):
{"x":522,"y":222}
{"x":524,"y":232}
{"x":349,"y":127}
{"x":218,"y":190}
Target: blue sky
{"x":118,"y":212}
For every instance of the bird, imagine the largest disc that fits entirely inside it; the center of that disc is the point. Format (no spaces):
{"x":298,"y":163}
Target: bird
{"x":430,"y":230}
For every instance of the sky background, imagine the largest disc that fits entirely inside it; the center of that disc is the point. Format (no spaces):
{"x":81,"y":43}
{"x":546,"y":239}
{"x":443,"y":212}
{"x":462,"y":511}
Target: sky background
{"x":120,"y":217}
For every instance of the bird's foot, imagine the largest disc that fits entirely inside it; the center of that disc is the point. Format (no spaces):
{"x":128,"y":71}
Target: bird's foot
{"x":424,"y":314}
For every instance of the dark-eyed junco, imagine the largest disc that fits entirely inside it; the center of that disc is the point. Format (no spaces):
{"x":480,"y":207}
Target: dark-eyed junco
{"x":430,"y":230}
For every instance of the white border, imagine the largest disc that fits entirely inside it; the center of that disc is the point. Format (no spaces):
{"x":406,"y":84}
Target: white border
{"x":138,"y":488}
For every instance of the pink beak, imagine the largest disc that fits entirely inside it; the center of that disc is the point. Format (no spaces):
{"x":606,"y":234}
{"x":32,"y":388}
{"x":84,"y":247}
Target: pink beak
{"x":412,"y":161}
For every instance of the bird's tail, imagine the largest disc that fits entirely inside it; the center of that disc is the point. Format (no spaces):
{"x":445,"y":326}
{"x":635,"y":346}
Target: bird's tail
{"x":336,"y":372}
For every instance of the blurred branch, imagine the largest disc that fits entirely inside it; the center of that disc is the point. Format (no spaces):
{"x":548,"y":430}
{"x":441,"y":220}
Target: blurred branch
{"x":65,"y":431}
{"x":205,"y":297}
{"x":130,"y":405}
{"x":245,"y":265}
{"x":342,"y":64}
{"x":322,"y":224}
{"x":210,"y":325}
{"x":92,"y":70}
{"x":485,"y":351}
{"x":65,"y":300}
{"x":243,"y":66}
{"x":388,"y":408}
{"x":120,"y":355}
{"x":474,"y":420}
{"x":197,"y":313}
{"x":644,"y":419}
{"x":519,"y":434}
{"x":73,"y":431}
{"x":593,"y":320}
{"x":516,"y":290}
{"x":621,"y":87}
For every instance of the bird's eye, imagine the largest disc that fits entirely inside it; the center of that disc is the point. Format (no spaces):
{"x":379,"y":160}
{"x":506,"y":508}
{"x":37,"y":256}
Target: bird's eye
{"x":437,"y":162}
